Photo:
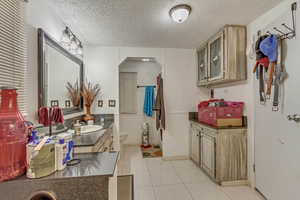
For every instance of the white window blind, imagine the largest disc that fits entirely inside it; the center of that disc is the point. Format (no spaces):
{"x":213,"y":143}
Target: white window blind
{"x":13,"y":47}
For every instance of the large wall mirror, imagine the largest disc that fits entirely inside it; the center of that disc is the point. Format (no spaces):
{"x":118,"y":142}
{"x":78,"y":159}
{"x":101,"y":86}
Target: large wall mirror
{"x":58,"y":68}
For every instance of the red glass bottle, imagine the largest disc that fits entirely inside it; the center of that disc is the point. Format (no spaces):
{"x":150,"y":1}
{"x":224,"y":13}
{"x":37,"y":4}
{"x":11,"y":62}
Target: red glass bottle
{"x":13,"y":136}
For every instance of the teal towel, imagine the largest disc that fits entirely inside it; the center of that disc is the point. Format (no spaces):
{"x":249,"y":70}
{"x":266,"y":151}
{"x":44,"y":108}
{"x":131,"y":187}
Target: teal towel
{"x":149,"y":101}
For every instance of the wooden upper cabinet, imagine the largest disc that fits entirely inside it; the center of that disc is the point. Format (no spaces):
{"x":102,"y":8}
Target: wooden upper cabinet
{"x":202,"y":65}
{"x":216,"y":58}
{"x":223,"y":58}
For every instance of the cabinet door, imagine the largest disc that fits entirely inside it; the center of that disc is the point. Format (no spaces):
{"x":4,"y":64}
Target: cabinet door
{"x":202,"y":66}
{"x":208,"y":154}
{"x":215,"y":56}
{"x":195,"y":141}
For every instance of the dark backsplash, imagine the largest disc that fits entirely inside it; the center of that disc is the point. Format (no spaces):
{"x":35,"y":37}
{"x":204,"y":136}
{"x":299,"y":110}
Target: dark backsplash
{"x":193,"y":116}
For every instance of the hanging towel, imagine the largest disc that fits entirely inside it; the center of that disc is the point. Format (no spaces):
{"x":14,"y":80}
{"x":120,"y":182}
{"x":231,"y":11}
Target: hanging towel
{"x":50,"y":115}
{"x":149,"y":101}
{"x":160,"y":105}
{"x":44,"y":116}
{"x":57,"y":115}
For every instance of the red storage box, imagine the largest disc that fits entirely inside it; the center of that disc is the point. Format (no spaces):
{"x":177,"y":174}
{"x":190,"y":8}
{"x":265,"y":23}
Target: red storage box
{"x":220,"y":113}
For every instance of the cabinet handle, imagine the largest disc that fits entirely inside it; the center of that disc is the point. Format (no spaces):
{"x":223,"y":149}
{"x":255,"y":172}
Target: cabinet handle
{"x":215,"y":59}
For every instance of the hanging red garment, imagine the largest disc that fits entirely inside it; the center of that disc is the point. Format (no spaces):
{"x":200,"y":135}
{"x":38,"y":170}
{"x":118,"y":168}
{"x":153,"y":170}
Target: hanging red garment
{"x":57,"y":115}
{"x":44,"y":116}
{"x":13,"y":136}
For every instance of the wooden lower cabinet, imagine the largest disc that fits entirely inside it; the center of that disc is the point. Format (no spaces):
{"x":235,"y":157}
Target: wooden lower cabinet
{"x":222,"y":153}
{"x":195,"y":145}
{"x":208,"y":154}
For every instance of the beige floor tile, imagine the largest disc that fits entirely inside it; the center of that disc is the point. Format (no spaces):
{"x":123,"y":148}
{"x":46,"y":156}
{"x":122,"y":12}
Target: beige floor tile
{"x":190,"y":174}
{"x":172,"y":192}
{"x":206,"y":190}
{"x":162,"y":172}
{"x":241,"y":193}
{"x":144,"y":193}
{"x":156,"y":179}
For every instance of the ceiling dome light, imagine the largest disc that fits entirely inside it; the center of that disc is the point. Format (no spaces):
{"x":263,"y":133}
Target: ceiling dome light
{"x":180,"y":13}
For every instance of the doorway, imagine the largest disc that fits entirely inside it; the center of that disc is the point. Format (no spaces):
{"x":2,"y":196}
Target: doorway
{"x":135,"y":74}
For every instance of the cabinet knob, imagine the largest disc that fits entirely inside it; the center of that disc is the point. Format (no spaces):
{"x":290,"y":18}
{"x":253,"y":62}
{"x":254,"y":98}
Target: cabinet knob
{"x":215,"y":59}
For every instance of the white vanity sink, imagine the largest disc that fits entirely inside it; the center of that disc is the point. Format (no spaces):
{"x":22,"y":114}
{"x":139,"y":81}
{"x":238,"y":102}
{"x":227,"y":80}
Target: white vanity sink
{"x":88,"y":129}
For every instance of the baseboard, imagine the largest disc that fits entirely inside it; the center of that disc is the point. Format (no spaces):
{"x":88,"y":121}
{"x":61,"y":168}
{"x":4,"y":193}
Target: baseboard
{"x":170,"y":158}
{"x":131,"y":145}
{"x":235,"y":183}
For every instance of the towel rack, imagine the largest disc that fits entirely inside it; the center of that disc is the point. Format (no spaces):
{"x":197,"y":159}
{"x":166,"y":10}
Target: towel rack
{"x":142,"y":86}
{"x":291,"y":32}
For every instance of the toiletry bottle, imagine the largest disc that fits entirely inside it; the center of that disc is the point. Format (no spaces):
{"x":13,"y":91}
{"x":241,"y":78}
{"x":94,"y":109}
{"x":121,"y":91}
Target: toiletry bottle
{"x":34,"y":137}
{"x":60,"y":154}
{"x":77,"y":128}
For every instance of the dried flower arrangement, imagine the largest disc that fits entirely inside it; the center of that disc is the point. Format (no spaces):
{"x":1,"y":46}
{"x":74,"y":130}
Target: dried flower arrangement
{"x":89,"y":93}
{"x":74,"y":93}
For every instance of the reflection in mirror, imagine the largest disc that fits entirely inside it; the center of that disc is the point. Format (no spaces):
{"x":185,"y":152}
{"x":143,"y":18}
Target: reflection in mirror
{"x":60,"y":71}
{"x":60,"y":76}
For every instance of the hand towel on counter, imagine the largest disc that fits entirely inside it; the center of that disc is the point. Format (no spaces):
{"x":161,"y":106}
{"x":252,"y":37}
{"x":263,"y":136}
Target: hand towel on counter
{"x":48,"y":115}
{"x":44,"y":116}
{"x":160,"y":105}
{"x":149,"y":101}
{"x":57,"y":115}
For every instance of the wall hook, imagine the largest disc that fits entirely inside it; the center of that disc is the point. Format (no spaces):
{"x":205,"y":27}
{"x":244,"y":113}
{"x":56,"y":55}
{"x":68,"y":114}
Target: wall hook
{"x":269,"y":33}
{"x":287,"y":27}
{"x":291,"y":31}
{"x":278,"y":30}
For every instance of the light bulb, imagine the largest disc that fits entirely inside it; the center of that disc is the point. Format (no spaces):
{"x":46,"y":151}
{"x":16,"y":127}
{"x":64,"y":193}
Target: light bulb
{"x":73,"y":44}
{"x":79,"y":49}
{"x":66,"y":36}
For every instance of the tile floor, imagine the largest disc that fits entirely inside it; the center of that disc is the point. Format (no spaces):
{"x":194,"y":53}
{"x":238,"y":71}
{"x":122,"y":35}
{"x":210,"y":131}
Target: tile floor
{"x":155,"y":179}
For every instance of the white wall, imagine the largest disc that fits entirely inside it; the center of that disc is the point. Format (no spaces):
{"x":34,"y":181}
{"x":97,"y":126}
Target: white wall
{"x":39,"y":15}
{"x":276,"y":138}
{"x":181,"y":97}
{"x":248,"y":91}
{"x":131,"y":123}
{"x":181,"y":93}
{"x":101,"y":65}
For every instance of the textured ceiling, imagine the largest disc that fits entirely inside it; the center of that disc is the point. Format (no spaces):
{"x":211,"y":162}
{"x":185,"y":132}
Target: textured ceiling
{"x":147,"y":23}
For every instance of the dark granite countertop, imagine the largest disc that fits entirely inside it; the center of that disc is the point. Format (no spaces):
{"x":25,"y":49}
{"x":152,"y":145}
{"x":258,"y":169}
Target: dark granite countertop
{"x":92,"y":138}
{"x":92,"y":164}
{"x":218,"y":128}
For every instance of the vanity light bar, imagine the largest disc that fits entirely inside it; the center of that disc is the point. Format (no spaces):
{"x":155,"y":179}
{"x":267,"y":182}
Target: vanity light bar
{"x":71,"y":42}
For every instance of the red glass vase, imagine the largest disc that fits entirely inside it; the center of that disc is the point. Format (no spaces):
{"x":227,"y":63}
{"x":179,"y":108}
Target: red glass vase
{"x":13,"y":136}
